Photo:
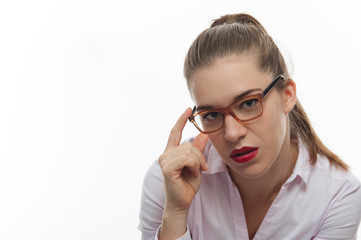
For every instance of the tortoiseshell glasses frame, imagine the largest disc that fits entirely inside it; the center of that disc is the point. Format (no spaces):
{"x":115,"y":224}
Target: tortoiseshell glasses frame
{"x":203,"y":114}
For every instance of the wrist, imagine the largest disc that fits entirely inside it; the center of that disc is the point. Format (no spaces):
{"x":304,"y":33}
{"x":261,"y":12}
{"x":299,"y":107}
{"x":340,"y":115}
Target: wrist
{"x":174,"y":224}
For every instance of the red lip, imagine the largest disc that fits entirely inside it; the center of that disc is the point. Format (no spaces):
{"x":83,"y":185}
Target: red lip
{"x":244,"y":154}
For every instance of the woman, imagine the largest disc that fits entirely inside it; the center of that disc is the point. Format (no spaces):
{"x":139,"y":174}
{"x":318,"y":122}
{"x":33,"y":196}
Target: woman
{"x":257,"y":170}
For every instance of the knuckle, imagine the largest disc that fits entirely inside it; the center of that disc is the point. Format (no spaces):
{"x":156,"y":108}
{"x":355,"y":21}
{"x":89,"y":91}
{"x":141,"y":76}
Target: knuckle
{"x":161,"y":158}
{"x":187,"y":151}
{"x":186,"y":161}
{"x":191,"y":161}
{"x":188,"y":144}
{"x":165,"y":170}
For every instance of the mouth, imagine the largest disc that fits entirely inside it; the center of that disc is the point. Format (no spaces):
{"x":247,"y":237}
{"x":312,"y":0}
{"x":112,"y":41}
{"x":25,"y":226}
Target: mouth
{"x":244,"y":154}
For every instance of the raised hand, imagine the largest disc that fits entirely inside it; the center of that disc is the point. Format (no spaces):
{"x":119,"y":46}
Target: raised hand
{"x":181,"y":165}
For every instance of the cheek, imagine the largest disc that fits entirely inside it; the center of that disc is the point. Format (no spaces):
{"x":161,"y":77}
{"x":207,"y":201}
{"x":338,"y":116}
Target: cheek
{"x":216,"y":139}
{"x":219,"y":143}
{"x":273,"y":126}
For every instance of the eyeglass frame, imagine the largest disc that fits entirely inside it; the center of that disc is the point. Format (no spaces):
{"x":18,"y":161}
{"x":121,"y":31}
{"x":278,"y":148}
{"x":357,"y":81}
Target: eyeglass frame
{"x":228,"y":109}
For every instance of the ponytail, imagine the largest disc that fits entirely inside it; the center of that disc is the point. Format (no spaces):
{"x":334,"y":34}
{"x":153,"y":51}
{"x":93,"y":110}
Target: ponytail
{"x":301,"y":126}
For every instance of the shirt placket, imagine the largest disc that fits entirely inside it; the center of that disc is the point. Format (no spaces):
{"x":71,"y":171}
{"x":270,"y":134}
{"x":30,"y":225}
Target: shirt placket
{"x":237,"y":212}
{"x":270,"y":220}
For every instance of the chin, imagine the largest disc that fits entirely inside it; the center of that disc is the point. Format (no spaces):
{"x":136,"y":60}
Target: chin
{"x":250,"y":170}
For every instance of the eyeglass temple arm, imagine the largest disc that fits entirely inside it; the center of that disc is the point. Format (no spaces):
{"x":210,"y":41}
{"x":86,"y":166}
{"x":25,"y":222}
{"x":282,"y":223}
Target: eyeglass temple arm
{"x":191,"y":118}
{"x":265,"y":92}
{"x":273,"y":83}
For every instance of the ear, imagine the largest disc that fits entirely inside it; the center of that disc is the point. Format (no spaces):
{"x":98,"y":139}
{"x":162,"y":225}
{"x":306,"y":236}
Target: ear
{"x":290,"y":96}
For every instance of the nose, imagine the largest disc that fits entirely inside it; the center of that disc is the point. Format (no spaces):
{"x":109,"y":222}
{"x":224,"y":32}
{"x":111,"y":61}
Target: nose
{"x":233,"y":130}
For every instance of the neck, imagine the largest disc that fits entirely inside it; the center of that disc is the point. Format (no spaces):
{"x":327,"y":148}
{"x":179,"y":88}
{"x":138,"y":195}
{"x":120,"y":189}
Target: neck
{"x":265,"y":188}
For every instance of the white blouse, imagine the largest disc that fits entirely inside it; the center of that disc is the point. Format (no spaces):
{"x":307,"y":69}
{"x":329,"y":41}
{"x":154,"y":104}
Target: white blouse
{"x":316,"y":202}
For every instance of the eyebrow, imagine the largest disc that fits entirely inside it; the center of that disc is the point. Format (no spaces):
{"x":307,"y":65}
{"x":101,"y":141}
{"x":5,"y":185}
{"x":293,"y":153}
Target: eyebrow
{"x":205,"y":107}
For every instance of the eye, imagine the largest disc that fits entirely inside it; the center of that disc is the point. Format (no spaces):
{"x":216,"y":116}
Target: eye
{"x":249,"y":103}
{"x":210,"y":116}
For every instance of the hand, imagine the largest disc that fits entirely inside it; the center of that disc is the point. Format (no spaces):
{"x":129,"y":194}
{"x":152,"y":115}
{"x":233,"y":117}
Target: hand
{"x":181,"y":166}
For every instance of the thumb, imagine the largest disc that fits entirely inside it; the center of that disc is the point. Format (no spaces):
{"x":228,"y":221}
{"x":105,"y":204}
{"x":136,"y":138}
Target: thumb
{"x":200,"y":141}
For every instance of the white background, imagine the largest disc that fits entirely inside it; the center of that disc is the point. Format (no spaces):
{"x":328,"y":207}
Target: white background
{"x":90,"y":89}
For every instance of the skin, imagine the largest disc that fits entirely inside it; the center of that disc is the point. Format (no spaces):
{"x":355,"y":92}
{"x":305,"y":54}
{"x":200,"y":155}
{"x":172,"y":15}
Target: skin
{"x":259,"y":180}
{"x":181,"y":166}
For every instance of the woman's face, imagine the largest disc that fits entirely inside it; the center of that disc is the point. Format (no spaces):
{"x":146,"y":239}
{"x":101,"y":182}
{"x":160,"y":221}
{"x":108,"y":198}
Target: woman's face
{"x":217,"y":85}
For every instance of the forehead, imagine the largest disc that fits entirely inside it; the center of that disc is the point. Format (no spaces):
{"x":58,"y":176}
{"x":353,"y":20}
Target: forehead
{"x":226,"y":78}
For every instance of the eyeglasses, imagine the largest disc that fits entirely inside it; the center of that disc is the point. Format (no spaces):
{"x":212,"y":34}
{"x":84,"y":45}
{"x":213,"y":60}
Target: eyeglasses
{"x":243,"y":110}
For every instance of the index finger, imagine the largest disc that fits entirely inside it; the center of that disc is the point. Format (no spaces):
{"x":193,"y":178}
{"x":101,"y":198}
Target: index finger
{"x":175,"y":135}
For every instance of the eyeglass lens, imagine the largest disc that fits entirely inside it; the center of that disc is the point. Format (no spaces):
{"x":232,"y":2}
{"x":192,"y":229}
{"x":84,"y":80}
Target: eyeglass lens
{"x":244,"y":109}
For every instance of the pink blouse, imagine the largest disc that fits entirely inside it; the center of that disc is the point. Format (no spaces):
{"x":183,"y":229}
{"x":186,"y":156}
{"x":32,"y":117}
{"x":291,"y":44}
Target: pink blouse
{"x":316,"y":202}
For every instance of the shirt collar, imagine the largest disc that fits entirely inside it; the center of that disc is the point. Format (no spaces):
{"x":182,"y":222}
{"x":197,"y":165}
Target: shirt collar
{"x":302,"y":168}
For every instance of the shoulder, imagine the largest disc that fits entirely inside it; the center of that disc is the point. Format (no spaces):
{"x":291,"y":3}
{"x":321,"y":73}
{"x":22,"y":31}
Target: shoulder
{"x":326,"y":185}
{"x":153,"y":183}
{"x":323,"y":176}
{"x":154,"y":173}
{"x":152,"y":201}
{"x":333,"y":176}
{"x":326,"y":197}
{"x":342,"y":192}
{"x":329,"y":183}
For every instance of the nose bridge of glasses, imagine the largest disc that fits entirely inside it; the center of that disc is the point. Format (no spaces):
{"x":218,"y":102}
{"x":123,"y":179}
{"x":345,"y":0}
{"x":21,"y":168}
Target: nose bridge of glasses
{"x":232,"y":113}
{"x":233,"y":126}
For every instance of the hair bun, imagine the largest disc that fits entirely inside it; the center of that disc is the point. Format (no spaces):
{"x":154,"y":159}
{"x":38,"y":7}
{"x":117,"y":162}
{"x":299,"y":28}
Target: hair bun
{"x":241,"y":18}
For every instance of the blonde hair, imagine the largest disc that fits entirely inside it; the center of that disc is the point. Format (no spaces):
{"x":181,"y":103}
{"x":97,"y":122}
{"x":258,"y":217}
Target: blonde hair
{"x":242,"y":34}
